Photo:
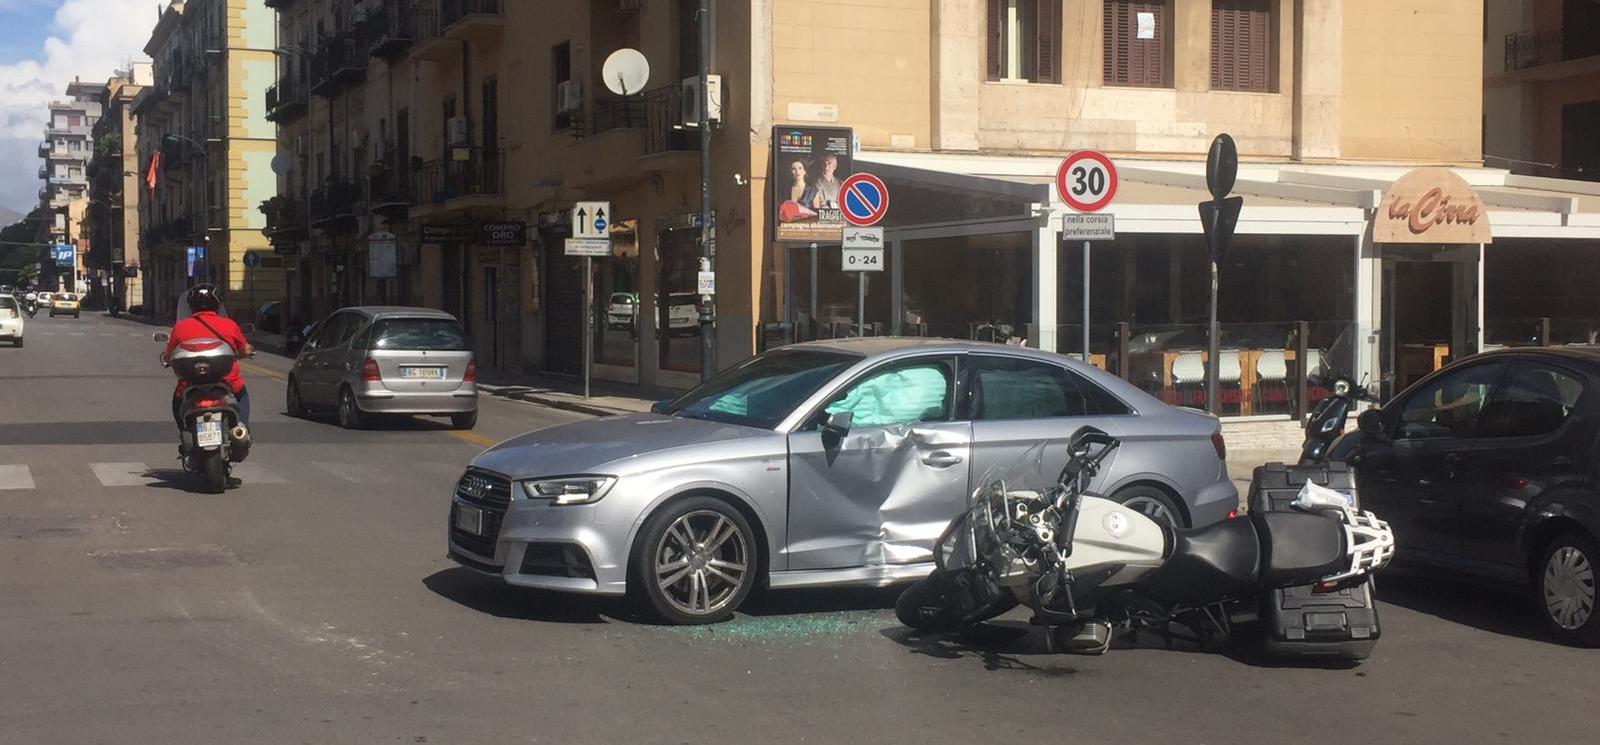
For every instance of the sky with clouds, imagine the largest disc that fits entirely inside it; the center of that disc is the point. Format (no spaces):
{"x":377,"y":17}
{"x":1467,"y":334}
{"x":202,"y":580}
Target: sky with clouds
{"x":44,"y":44}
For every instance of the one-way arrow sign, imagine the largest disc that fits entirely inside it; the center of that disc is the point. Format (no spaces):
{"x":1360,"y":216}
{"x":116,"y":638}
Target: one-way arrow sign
{"x":589,"y":220}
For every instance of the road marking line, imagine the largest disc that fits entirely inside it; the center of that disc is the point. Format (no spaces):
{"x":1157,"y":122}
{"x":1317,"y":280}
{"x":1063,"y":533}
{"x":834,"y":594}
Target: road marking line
{"x":264,"y":372}
{"x":75,"y":333}
{"x":254,"y":473}
{"x":472,"y":437}
{"x":104,"y":334}
{"x":16,"y":477}
{"x":121,"y":474}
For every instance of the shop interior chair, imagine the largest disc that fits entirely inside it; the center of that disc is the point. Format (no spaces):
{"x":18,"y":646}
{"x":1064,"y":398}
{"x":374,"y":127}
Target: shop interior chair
{"x":1272,"y":382}
{"x":1228,"y":380}
{"x":1189,"y":378}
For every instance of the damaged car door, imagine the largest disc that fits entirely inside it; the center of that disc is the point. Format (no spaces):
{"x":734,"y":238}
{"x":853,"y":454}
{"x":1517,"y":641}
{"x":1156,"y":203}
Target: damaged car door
{"x":877,"y":471}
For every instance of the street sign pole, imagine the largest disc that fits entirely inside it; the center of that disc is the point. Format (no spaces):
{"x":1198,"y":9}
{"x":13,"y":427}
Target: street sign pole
{"x":861,"y":303}
{"x":588,"y":322}
{"x":1085,"y":302}
{"x":1218,"y":218}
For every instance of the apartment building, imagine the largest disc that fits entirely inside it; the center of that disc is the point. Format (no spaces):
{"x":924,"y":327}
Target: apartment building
{"x":65,"y":150}
{"x":205,"y":152}
{"x":1541,"y":63}
{"x":112,"y":216}
{"x":496,"y":115}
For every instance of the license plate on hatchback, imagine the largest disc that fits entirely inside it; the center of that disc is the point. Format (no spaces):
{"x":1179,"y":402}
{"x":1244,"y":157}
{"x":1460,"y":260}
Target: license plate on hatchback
{"x":469,"y":519}
{"x":410,"y":372}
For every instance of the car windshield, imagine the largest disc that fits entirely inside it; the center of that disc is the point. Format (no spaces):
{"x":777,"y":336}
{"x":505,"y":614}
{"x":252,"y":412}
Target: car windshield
{"x":763,"y":390}
{"x":419,"y":334}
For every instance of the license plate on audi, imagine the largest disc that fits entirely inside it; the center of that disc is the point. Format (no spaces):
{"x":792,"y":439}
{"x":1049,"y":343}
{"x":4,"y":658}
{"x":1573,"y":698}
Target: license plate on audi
{"x":208,"y":433}
{"x":422,"y":373}
{"x":469,"y":519}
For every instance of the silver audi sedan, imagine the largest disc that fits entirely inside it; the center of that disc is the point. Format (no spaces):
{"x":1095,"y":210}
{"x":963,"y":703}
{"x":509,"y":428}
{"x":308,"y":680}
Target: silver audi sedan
{"x":825,"y":463}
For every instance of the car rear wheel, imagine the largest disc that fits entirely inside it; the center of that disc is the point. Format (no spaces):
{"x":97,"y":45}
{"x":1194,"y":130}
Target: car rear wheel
{"x":1152,"y":503}
{"x":292,"y":402}
{"x":350,"y":416}
{"x":1567,"y":589}
{"x":695,"y":562}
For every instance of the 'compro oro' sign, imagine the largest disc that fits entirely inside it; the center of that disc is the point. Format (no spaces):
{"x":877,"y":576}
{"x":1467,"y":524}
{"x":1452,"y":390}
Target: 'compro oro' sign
{"x":1431,"y":205}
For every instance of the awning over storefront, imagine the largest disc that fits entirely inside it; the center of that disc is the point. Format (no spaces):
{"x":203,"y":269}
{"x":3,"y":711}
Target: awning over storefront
{"x":1280,"y":198}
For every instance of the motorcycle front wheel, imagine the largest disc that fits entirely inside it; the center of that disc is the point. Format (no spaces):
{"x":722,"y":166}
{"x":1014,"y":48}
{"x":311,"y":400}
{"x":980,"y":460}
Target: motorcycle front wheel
{"x":214,"y":472}
{"x":949,"y":600}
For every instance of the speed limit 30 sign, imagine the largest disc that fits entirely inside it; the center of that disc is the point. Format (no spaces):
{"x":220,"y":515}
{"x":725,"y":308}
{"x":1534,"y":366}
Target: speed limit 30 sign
{"x":1087,"y":181}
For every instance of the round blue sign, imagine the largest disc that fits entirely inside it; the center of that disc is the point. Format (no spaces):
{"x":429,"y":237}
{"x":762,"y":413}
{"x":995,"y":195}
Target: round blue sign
{"x":251,"y":259}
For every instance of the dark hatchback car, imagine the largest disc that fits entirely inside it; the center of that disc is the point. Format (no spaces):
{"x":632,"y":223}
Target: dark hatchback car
{"x":1489,"y":466}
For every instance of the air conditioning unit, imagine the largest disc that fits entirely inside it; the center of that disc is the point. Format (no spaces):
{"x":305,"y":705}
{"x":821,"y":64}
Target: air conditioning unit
{"x":569,"y":97}
{"x":456,"y":132}
{"x":691,"y":100}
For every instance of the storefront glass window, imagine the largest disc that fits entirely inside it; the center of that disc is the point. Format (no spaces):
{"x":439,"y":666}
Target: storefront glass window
{"x":1269,"y":285}
{"x":969,"y":288}
{"x":616,"y":301}
{"x":677,"y":304}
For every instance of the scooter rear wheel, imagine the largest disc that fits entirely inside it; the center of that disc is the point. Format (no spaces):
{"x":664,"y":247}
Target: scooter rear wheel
{"x":214,"y":472}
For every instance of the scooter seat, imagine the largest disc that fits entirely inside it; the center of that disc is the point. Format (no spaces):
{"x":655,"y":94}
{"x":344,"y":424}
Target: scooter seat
{"x":1298,"y":548}
{"x":1205,"y":564}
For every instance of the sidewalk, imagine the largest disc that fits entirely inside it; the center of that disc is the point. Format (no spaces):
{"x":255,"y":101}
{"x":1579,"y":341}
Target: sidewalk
{"x":562,"y":392}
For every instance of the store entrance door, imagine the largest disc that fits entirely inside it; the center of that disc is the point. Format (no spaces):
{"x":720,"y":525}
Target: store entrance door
{"x":1430,"y":310}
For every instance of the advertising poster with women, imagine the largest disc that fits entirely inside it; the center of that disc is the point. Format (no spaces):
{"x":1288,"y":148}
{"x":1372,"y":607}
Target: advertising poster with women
{"x":808,"y":164}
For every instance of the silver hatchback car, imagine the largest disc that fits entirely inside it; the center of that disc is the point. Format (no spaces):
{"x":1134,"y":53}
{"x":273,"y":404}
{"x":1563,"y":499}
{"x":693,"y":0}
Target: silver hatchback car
{"x":386,"y":360}
{"x":824,"y":463}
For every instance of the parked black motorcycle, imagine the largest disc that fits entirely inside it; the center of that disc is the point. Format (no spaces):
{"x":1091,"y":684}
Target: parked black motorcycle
{"x":213,"y":437}
{"x":1327,"y":421}
{"x":1088,"y":567}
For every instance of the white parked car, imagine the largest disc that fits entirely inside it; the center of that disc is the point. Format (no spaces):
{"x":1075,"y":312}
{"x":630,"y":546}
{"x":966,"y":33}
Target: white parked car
{"x":11,"y":321}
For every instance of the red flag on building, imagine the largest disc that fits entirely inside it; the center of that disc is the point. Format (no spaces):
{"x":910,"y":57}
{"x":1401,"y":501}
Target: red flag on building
{"x":155,"y":168}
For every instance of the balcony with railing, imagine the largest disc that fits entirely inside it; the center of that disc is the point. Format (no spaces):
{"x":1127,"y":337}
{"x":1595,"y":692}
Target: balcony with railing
{"x":44,"y":149}
{"x":287,"y":101}
{"x":338,"y":62}
{"x":279,"y":5}
{"x":288,"y":218}
{"x":333,"y":207}
{"x":390,"y":29}
{"x":469,"y":177}
{"x":1526,"y":50}
{"x":431,"y":43}
{"x":472,"y":20}
{"x":389,"y":183}
{"x":665,"y":140}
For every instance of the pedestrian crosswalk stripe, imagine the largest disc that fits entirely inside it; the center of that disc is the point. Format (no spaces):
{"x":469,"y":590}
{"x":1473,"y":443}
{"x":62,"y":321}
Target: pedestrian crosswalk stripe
{"x":122,"y":474}
{"x":15,"y":477}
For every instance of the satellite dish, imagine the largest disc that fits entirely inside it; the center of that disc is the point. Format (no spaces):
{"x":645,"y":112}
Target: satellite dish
{"x":282,"y":164}
{"x":626,"y":71}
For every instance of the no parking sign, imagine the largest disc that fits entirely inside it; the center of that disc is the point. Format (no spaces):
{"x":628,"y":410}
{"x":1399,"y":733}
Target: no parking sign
{"x":864,"y":199}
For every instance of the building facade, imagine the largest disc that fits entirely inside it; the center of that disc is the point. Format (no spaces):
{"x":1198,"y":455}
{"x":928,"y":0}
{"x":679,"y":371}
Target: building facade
{"x":112,"y":216}
{"x":66,"y":150}
{"x":1541,"y":63}
{"x":205,"y":153}
{"x":473,"y":127}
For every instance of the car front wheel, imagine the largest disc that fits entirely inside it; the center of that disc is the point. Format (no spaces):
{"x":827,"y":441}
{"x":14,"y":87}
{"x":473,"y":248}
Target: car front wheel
{"x":695,"y":563}
{"x":1567,"y":589}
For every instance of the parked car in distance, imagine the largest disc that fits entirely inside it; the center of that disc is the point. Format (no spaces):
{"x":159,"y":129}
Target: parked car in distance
{"x":622,"y":311}
{"x":683,"y":312}
{"x":1488,"y":466}
{"x":817,"y":464}
{"x":11,"y":321}
{"x":380,"y":360}
{"x":63,"y":303}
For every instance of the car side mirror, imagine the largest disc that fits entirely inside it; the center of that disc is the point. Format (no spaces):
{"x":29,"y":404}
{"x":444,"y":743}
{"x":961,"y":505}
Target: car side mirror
{"x":838,"y":424}
{"x":1370,"y":423}
{"x":161,"y":336}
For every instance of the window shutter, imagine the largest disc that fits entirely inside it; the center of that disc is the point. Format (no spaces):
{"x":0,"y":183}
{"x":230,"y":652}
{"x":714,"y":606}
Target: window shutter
{"x":996,"y":28}
{"x":1129,"y":60}
{"x":1241,"y":45}
{"x":1047,"y":31}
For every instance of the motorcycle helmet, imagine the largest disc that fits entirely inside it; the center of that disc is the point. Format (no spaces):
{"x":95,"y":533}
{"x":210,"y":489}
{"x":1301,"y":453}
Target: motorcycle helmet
{"x":203,"y":297}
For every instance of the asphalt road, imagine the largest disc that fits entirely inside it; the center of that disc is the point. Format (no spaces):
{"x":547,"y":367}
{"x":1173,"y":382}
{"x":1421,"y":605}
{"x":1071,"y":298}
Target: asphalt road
{"x":314,"y":604}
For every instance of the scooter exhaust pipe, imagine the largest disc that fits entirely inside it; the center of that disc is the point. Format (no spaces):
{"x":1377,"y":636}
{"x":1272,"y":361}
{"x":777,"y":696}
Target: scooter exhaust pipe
{"x":239,"y":441}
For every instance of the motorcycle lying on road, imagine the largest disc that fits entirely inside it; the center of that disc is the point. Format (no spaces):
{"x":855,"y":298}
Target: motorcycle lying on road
{"x":1088,"y":567}
{"x":213,"y":437}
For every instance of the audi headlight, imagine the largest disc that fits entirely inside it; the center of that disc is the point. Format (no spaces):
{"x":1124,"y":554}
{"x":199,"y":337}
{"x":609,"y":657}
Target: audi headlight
{"x":569,"y":490}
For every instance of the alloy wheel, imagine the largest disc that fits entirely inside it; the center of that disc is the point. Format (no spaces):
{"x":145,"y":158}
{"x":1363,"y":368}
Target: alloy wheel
{"x":1569,"y":588}
{"x":701,"y":562}
{"x":1152,"y":509}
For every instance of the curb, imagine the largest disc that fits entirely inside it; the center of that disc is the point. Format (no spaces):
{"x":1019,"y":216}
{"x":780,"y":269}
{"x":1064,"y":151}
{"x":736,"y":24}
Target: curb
{"x":558,"y":403}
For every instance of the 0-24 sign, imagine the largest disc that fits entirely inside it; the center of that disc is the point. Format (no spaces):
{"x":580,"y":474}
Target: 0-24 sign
{"x":1087,"y":181}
